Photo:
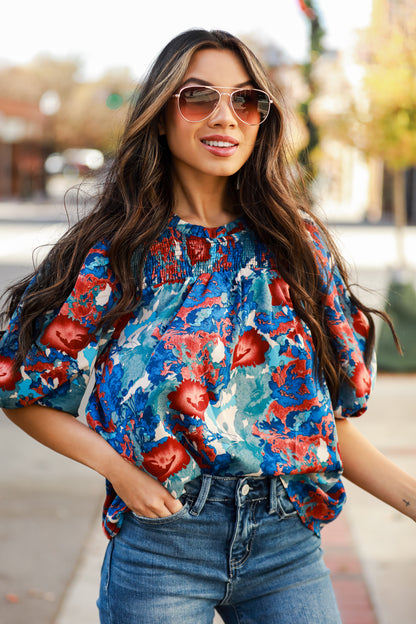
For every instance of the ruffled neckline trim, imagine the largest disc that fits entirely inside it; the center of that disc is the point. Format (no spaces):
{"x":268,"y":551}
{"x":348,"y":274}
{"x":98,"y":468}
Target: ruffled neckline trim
{"x":203,"y":232}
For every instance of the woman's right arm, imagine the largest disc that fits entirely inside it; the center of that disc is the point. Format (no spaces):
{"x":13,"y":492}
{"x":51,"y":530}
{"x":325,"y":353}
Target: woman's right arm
{"x":68,"y":436}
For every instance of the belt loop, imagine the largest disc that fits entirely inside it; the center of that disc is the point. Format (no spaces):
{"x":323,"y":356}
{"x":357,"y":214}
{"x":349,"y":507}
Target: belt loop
{"x":202,"y":496}
{"x":273,"y":496}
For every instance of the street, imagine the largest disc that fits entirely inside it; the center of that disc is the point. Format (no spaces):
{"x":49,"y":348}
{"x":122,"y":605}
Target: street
{"x":49,"y":505}
{"x":47,"y":502}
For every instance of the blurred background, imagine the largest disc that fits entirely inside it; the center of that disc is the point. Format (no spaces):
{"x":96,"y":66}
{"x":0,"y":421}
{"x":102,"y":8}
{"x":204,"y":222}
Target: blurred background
{"x":348,"y":74}
{"x":346,"y":69}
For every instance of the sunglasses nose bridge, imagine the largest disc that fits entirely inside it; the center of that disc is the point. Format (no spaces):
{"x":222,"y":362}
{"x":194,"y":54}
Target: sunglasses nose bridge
{"x":229,"y":104}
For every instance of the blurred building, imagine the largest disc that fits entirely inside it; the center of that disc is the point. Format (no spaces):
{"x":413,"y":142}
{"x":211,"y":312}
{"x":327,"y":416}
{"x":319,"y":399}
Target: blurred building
{"x":23,"y":150}
{"x":345,"y":188}
{"x":385,"y":15}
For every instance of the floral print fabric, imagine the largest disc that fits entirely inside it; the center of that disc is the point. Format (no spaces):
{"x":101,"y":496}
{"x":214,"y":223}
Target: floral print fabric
{"x":214,"y":372}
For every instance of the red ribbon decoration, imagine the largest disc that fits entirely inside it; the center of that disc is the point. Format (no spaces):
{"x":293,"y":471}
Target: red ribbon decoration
{"x":307,"y":10}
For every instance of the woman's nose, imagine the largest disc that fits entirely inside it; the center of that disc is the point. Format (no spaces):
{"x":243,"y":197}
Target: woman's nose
{"x":224,"y":112}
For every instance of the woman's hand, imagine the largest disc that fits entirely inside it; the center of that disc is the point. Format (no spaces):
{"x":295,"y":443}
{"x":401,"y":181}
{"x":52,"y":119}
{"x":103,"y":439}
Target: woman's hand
{"x":68,"y":436}
{"x":142,"y":493}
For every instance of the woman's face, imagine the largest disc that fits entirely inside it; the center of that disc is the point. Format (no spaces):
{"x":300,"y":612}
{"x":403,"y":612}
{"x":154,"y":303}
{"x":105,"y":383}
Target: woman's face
{"x":194,"y":145}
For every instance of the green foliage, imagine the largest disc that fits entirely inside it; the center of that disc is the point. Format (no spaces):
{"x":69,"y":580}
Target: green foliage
{"x":389,"y":126}
{"x":402,"y":311}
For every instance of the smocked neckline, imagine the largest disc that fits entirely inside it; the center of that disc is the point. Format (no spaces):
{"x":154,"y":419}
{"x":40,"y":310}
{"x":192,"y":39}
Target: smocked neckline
{"x":204,"y":232}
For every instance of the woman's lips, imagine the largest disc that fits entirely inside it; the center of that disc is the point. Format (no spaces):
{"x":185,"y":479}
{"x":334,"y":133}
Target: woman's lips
{"x":220,"y":145}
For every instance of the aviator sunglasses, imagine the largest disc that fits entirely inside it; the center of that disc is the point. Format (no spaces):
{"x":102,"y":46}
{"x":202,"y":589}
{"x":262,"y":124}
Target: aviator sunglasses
{"x":197,"y":103}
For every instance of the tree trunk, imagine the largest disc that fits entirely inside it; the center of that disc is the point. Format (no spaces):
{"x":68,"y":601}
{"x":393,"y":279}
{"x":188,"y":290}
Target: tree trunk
{"x":399,"y":208}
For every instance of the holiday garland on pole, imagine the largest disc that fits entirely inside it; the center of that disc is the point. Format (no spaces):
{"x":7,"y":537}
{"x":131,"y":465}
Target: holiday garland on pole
{"x":309,"y":9}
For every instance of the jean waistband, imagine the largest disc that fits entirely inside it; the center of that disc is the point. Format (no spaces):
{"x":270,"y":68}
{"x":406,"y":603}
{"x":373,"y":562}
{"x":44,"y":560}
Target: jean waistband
{"x":241,"y":490}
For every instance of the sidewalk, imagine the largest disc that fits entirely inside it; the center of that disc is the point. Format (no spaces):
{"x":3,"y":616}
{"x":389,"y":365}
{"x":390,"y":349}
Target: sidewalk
{"x":370,"y":549}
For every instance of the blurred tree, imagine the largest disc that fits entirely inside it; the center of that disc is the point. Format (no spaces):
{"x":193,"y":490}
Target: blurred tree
{"x":93,"y":113}
{"x":84,"y":117}
{"x":385,"y":126}
{"x":28,"y":82}
{"x":306,"y":155}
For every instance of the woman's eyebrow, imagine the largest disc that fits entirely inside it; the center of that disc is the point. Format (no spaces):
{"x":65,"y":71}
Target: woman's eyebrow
{"x":209,"y":84}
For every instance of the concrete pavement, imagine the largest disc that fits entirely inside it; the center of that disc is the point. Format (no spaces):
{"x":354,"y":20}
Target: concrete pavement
{"x":50,"y":535}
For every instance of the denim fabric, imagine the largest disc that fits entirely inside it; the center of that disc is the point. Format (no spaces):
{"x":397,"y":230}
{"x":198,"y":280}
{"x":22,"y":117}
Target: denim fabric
{"x":237,"y":546}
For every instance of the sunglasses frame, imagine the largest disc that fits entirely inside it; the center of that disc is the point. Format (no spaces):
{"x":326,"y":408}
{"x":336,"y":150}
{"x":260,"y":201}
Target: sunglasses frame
{"x":215,"y":88}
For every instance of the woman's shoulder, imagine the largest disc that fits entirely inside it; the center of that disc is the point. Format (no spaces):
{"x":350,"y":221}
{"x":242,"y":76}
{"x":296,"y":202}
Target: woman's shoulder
{"x":311,"y":223}
{"x":96,"y":279}
{"x":100,"y":249}
{"x":317,"y":236}
{"x":97,"y":259}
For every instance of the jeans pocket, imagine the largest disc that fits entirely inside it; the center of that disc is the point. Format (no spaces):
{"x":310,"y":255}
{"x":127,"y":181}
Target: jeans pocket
{"x":166,"y":520}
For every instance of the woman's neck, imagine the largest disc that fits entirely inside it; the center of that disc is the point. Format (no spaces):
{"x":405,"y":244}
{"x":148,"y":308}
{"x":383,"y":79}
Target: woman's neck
{"x":209,"y":203}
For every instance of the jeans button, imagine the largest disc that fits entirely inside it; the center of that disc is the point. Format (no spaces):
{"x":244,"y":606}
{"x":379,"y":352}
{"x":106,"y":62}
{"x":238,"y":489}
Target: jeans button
{"x":245,"y":489}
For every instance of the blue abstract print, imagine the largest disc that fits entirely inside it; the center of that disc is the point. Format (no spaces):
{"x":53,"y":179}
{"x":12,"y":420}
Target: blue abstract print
{"x":214,"y":371}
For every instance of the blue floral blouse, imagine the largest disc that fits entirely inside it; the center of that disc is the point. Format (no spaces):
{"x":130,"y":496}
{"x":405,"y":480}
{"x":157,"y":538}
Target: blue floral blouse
{"x":214,"y":372}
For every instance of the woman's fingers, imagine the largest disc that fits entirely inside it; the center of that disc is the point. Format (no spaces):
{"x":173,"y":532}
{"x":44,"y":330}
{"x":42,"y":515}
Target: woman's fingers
{"x":164,"y":506}
{"x":173,"y":505}
{"x":143,"y":494}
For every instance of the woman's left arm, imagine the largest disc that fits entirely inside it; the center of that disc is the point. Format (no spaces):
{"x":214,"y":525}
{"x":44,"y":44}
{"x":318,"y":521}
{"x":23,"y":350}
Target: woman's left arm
{"x":368,"y":468}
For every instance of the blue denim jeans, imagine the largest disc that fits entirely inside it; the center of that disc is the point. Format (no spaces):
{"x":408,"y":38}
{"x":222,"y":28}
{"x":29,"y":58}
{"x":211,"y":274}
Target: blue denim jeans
{"x":236,"y":546}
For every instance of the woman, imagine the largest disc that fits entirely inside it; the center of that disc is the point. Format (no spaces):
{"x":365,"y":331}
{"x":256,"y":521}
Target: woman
{"x":216,"y":315}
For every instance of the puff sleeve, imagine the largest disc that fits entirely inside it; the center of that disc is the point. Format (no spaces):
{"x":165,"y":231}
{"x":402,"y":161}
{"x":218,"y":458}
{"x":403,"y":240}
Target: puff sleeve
{"x":348,"y":329}
{"x":58,"y":365}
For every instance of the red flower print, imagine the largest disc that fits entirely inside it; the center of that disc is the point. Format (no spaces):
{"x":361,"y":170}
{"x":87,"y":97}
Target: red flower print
{"x":166,"y":459}
{"x":87,"y":297}
{"x":8,"y":376}
{"x":319,"y":502}
{"x":361,"y":380}
{"x":50,"y":373}
{"x":190,"y":398}
{"x":198,"y":249}
{"x":87,"y":283}
{"x":250,"y":349}
{"x":66,"y":335}
{"x":279,"y":290}
{"x":360,"y":324}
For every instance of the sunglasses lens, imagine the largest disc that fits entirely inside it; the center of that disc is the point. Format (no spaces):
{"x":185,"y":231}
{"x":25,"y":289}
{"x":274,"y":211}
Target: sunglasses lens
{"x":251,"y":105}
{"x":197,"y":103}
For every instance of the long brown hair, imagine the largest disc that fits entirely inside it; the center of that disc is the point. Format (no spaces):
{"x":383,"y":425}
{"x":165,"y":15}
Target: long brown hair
{"x":137,"y":202}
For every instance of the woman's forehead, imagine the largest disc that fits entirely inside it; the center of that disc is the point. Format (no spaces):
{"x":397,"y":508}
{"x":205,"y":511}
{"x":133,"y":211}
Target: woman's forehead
{"x":217,"y":67}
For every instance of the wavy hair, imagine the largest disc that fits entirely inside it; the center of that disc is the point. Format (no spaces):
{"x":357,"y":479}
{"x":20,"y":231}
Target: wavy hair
{"x":137,"y":201}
